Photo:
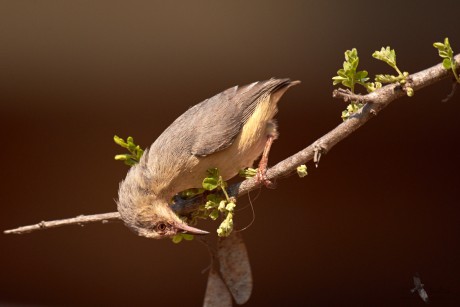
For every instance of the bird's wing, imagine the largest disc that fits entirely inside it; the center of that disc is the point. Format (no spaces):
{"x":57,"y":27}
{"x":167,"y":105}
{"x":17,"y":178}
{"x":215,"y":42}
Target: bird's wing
{"x":423,"y":295}
{"x":216,"y":122}
{"x":207,"y":127}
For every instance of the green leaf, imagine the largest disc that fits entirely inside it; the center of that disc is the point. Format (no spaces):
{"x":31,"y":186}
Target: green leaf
{"x":212,"y":181}
{"x":447,"y":64}
{"x":361,"y":75}
{"x":389,"y":78}
{"x":122,"y":157}
{"x":120,"y":141}
{"x":214,"y":198}
{"x":351,"y":57}
{"x":187,"y":236}
{"x":387,"y":55}
{"x":177,"y":238}
{"x":348,"y":83}
{"x":339,"y":78}
{"x":214,"y":214}
{"x":210,"y":184}
{"x":444,"y":49}
{"x":248,"y":172}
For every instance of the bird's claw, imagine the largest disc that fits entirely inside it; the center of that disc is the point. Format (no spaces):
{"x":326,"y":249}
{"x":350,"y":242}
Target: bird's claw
{"x":261,"y":177}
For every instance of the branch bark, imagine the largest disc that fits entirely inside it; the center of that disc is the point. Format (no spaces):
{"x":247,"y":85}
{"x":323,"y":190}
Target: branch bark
{"x":374,"y":103}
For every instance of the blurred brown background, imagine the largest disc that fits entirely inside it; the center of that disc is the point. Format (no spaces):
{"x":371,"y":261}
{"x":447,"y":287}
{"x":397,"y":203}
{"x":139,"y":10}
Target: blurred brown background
{"x":382,"y":205}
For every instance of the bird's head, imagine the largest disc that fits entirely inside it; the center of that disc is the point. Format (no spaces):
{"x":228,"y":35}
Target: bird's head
{"x":147,"y":214}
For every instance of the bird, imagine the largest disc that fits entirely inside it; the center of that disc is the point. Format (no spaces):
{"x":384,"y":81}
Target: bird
{"x":228,"y":131}
{"x":419,"y":288}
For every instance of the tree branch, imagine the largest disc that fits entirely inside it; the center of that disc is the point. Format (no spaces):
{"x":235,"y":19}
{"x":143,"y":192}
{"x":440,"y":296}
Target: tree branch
{"x":374,"y":103}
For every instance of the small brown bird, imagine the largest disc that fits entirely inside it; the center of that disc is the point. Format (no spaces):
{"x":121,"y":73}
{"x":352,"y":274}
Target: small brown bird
{"x":228,"y":131}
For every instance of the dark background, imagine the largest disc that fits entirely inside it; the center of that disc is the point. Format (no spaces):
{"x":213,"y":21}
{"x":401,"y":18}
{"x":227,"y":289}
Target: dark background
{"x":383,"y":204}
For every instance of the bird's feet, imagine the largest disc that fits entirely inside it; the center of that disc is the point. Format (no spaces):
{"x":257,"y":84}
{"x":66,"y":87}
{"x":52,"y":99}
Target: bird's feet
{"x":261,"y":177}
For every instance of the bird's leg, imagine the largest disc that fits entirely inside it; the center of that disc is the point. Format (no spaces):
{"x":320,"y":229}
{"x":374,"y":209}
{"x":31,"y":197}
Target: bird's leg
{"x":262,"y":170}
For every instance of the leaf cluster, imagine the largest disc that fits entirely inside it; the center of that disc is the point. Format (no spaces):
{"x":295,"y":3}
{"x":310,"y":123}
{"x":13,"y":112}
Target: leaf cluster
{"x":447,"y":54}
{"x":217,"y":205}
{"x":388,"y":56}
{"x":349,"y":76}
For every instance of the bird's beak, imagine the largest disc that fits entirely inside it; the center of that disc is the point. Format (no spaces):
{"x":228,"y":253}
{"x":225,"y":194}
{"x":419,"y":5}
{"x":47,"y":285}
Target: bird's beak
{"x":189,"y":229}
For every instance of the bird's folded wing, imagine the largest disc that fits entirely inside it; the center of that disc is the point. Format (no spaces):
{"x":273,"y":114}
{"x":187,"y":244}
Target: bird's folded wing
{"x":217,"y":121}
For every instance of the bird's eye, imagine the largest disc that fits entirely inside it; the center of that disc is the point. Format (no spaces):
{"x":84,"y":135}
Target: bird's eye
{"x":161,"y":227}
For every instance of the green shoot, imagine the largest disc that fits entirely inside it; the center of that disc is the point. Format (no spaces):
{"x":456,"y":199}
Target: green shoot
{"x":447,"y":54}
{"x":135,"y":152}
{"x":248,"y":172}
{"x":348,"y":76}
{"x":388,"y":56}
{"x":216,"y":204}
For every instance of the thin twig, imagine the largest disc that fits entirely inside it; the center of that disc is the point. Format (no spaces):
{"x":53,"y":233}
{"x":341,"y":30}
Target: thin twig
{"x":375,"y":102}
{"x":348,"y":95}
{"x":79,"y":220}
